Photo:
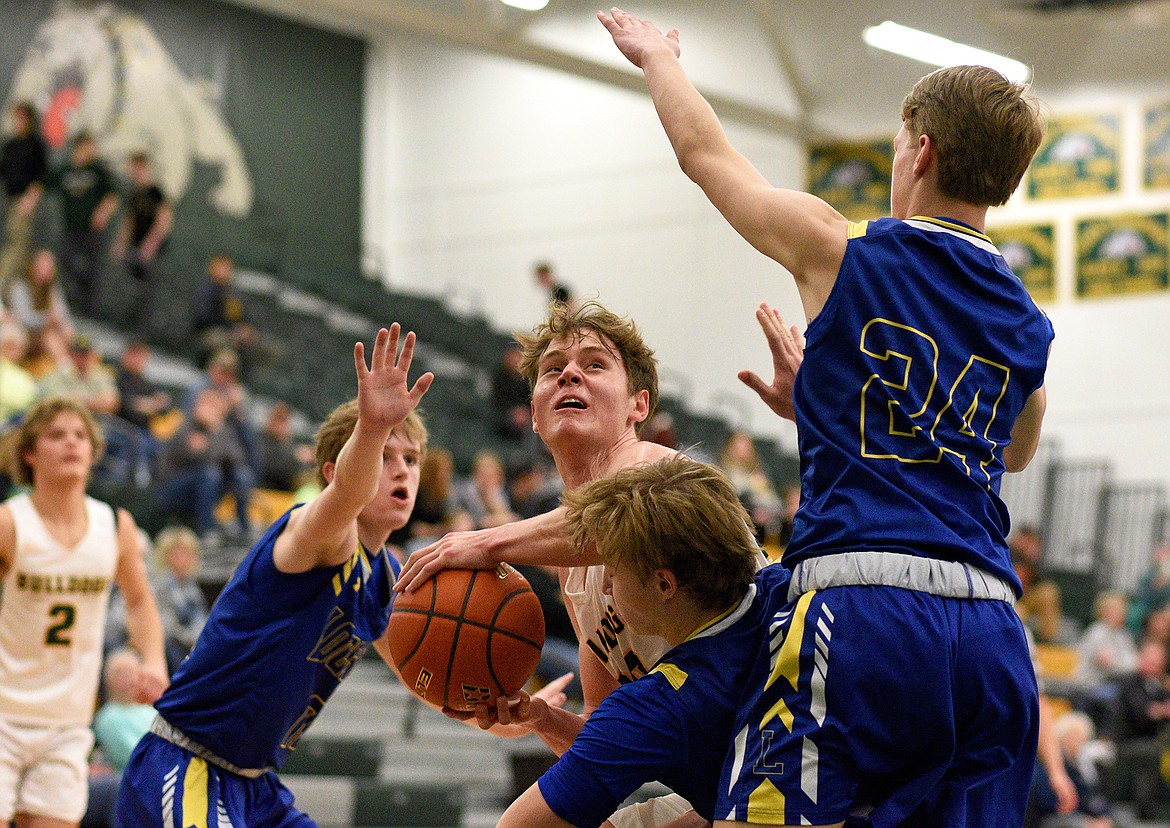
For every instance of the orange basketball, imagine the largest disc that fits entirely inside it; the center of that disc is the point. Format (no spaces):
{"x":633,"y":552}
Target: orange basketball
{"x":467,"y":636}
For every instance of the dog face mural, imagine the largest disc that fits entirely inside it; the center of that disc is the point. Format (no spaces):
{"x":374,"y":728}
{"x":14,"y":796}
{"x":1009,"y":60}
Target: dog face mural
{"x":92,"y":66}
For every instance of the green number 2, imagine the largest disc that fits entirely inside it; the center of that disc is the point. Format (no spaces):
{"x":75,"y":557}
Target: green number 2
{"x":58,"y":634}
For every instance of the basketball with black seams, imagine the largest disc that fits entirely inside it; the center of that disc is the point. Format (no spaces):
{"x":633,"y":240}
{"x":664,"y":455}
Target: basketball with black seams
{"x":467,"y":636}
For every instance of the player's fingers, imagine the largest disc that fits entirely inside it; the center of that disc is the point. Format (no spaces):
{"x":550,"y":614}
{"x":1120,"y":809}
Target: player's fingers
{"x":554,"y":688}
{"x":458,"y":715}
{"x":407,"y":356}
{"x":385,"y":347}
{"x":608,"y":22}
{"x":359,"y":360}
{"x":420,"y":566}
{"x":420,"y":386}
{"x":752,"y":380}
{"x":797,"y":337}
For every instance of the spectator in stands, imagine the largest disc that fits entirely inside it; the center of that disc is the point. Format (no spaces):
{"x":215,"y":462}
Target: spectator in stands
{"x":37,"y":300}
{"x":660,"y":429}
{"x":222,"y":375}
{"x":202,"y":461}
{"x":120,"y":722}
{"x":142,"y":238}
{"x":1080,"y":753}
{"x":78,"y":372}
{"x":1106,"y":651}
{"x":1153,"y":591}
{"x":88,"y":202}
{"x":221,"y":319}
{"x":23,"y":165}
{"x":285,"y":463}
{"x":181,"y":602}
{"x":531,"y":489}
{"x":741,"y":464}
{"x":511,"y":406}
{"x":556,"y":290}
{"x":484,"y":496}
{"x":18,"y":388}
{"x":1044,"y":615}
{"x":1026,"y":546}
{"x":436,"y":511}
{"x":123,"y":719}
{"x":141,"y":403}
{"x":1141,"y":726}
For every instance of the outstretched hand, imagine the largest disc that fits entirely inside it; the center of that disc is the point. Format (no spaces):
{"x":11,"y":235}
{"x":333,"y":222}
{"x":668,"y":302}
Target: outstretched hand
{"x":787,"y":346}
{"x":455,"y":550}
{"x":518,"y":715}
{"x":384,"y":399}
{"x":635,"y":36}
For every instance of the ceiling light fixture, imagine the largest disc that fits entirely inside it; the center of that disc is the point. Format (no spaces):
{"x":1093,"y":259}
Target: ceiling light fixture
{"x":527,"y":5}
{"x":938,"y":51}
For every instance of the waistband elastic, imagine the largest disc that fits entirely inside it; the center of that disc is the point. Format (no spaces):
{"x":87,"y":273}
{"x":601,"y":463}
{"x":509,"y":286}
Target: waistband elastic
{"x":164,"y":730}
{"x":947,"y":579}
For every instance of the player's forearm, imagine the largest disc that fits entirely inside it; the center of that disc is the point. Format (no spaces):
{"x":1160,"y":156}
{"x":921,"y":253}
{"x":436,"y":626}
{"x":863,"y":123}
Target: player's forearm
{"x":558,"y":729}
{"x":541,"y":540}
{"x":359,"y":464}
{"x":689,"y":121}
{"x":145,"y":631}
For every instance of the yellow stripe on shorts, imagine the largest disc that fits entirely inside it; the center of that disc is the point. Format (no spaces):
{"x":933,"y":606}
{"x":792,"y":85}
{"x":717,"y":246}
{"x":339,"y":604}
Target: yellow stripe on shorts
{"x":195,"y":782}
{"x":765,"y":803}
{"x":788,"y":661}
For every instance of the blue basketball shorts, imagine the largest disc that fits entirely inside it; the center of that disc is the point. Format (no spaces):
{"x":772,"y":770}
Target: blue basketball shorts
{"x":166,"y":786}
{"x":886,"y":706}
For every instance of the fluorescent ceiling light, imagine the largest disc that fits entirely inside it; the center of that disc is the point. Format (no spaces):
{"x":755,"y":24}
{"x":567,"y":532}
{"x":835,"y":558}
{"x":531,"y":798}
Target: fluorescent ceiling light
{"x":527,"y":5}
{"x":938,"y":51}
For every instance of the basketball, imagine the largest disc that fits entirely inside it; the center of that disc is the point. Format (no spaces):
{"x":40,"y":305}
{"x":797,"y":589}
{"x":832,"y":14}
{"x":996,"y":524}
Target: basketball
{"x":467,"y":636}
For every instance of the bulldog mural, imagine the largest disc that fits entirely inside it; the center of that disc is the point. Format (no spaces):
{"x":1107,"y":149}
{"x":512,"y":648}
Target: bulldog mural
{"x":93,"y":66}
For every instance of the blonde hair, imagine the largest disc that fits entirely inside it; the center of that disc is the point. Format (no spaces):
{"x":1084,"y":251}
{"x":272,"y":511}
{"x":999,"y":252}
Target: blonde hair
{"x":675,"y":514}
{"x":985,"y":128}
{"x":339,"y":425}
{"x":36,"y":421}
{"x":173,"y":536}
{"x":566,"y":321}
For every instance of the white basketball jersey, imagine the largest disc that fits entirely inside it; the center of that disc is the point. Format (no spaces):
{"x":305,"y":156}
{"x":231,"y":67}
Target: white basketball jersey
{"x":52,"y":616}
{"x":624,"y":653}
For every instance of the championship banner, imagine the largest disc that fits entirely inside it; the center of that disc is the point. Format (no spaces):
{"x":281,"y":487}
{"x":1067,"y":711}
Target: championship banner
{"x":1157,"y":147}
{"x":1030,"y":252}
{"x":853,"y":178}
{"x":1121,"y":255}
{"x":1078,"y":157}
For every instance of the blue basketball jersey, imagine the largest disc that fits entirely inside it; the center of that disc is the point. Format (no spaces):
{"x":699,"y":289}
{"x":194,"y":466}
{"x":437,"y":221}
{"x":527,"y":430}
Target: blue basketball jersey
{"x":913,"y":376}
{"x":274,"y":649}
{"x":672,"y":725}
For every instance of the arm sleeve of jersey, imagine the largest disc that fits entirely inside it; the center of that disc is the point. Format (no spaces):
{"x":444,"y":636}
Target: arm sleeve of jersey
{"x":632,"y":736}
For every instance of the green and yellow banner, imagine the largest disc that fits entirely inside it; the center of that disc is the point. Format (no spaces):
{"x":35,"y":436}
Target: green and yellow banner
{"x":1120,"y":255}
{"x":853,"y":177}
{"x":1157,"y":147}
{"x":1078,"y":157}
{"x":1030,"y":251}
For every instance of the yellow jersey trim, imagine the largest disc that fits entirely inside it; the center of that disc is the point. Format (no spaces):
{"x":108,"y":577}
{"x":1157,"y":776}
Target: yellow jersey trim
{"x":856,"y":229}
{"x":950,"y":225}
{"x":677,"y":677}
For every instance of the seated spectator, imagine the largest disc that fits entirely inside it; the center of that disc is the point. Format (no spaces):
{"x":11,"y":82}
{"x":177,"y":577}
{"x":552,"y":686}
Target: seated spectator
{"x":1153,"y":591}
{"x":181,"y":602}
{"x":511,"y":406}
{"x":435,"y":510}
{"x":37,"y":301}
{"x":532,"y":490}
{"x":221,"y":319}
{"x":123,"y":719}
{"x":741,"y":464}
{"x":1140,"y":728}
{"x":1105,"y":652}
{"x":141,"y":402}
{"x":484,"y":496}
{"x":200,"y":463}
{"x":1026,"y":546}
{"x":222,"y":375}
{"x":18,"y":388}
{"x":78,"y":372}
{"x":1081,"y":755}
{"x":285,"y":464}
{"x":1044,"y":616}
{"x":24,"y":160}
{"x":120,"y":722}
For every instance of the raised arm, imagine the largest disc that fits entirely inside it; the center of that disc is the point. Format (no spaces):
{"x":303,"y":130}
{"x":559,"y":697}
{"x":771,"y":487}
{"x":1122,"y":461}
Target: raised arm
{"x":324,"y":531}
{"x":142,"y":619}
{"x":798,"y":230}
